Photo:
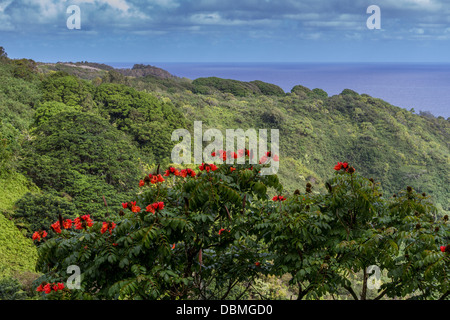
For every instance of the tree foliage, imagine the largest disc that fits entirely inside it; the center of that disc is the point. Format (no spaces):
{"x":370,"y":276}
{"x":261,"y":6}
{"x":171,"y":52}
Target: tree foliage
{"x":203,"y":236}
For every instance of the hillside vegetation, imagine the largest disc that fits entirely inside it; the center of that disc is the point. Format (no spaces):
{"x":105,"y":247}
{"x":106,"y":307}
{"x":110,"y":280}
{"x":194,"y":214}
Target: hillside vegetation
{"x":75,"y":138}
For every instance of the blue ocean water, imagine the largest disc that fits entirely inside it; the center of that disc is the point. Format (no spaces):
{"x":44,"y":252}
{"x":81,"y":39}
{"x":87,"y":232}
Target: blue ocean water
{"x":424,"y":87}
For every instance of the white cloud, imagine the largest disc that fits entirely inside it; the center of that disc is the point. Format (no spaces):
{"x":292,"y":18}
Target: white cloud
{"x":215,"y":18}
{"x":417,"y":31}
{"x":4,"y":5}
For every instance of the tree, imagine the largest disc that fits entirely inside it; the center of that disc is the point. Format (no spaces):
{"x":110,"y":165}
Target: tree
{"x":3,"y":55}
{"x":61,"y":87}
{"x":82,"y":155}
{"x":39,"y":211}
{"x":149,"y":121}
{"x":209,"y":235}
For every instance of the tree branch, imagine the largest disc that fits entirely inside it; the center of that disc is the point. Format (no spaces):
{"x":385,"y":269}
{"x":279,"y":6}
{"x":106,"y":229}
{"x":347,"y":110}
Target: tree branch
{"x":445,"y":295}
{"x":352,"y":292}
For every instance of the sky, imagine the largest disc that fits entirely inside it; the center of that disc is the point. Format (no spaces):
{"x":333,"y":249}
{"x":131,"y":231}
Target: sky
{"x":227,"y":31}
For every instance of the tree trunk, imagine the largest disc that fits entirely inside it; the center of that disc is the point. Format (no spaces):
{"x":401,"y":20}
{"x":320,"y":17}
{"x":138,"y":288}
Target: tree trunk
{"x":364,"y":288}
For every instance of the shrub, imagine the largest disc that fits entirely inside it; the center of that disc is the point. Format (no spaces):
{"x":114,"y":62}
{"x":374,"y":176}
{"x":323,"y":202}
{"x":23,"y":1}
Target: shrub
{"x":11,"y":289}
{"x":39,"y":211}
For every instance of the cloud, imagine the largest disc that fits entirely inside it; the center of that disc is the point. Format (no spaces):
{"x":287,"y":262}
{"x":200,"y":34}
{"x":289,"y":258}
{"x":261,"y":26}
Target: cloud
{"x":252,"y":18}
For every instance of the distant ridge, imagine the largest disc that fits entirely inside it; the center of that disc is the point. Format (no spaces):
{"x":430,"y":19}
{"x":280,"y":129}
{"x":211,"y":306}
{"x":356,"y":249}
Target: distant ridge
{"x":90,"y":70}
{"x":141,"y":70}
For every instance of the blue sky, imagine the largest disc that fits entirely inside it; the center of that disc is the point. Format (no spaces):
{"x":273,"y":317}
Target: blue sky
{"x":227,"y":31}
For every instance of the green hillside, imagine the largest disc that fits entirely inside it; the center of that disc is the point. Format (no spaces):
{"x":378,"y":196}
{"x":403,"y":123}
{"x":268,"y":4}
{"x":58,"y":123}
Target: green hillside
{"x":84,"y":134}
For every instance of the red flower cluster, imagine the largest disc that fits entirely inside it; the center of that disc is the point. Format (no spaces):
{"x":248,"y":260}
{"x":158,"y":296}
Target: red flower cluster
{"x":132,"y":206}
{"x":224,"y":154}
{"x":48,"y":287}
{"x":108,"y":226}
{"x":153,"y":179}
{"x":155,"y":206}
{"x":242,"y":152}
{"x":83,"y":222}
{"x":38,"y":235}
{"x":344,"y":166}
{"x":445,"y":248}
{"x":173,"y":171}
{"x":268,"y":156}
{"x":67,"y":224}
{"x":222,"y":230}
{"x":228,"y":154}
{"x":187,"y":172}
{"x":278,"y":198}
{"x":341,"y":165}
{"x":156,"y":178}
{"x":207,"y":167}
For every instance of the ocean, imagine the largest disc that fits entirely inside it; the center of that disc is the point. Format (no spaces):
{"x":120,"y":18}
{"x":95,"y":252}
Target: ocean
{"x":423,"y":87}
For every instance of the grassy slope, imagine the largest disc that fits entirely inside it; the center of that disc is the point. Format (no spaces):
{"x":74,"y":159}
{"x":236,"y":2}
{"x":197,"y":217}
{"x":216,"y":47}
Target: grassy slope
{"x":17,"y":253}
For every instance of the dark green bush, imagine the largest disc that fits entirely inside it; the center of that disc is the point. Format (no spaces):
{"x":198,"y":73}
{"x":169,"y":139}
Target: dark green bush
{"x":11,"y":289}
{"x":38,"y":211}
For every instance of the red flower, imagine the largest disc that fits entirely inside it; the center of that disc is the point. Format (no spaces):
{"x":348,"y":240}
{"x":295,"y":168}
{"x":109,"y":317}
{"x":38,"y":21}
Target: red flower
{"x":38,"y":235}
{"x":187,"y":172}
{"x":160,"y":178}
{"x":67,"y":224}
{"x":207,"y":167}
{"x":257,"y":264}
{"x":56,"y":227}
{"x":83,"y":222}
{"x":47,"y":288}
{"x":173,"y":246}
{"x":108,"y":226}
{"x":222,"y":230}
{"x":170,"y":171}
{"x":40,"y":288}
{"x":60,"y":286}
{"x":150,"y":208}
{"x":124,"y":205}
{"x":55,"y":287}
{"x":278,"y":198}
{"x":141,"y":183}
{"x":341,"y":165}
{"x":232,"y":169}
{"x":135,"y":209}
{"x":155,"y":206}
{"x":443,"y":248}
{"x":115,"y":244}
